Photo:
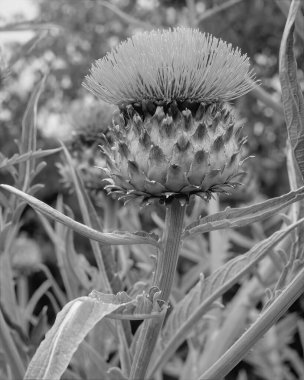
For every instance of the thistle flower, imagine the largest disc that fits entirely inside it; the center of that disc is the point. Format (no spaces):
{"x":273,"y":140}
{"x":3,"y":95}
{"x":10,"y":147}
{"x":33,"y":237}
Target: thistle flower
{"x":89,"y":123}
{"x":174,"y":135}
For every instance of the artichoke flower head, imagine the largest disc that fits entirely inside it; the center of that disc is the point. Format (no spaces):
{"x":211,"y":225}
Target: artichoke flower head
{"x":175,"y":134}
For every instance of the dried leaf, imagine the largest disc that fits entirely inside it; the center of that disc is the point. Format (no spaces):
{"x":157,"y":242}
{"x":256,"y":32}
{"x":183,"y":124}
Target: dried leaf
{"x":144,"y":306}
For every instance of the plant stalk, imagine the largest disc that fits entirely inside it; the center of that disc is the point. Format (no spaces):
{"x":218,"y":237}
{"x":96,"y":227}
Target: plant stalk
{"x":163,"y":279}
{"x":167,"y":260}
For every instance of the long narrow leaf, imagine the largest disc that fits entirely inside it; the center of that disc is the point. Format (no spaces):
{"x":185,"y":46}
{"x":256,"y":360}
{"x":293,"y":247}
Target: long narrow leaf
{"x":292,"y":97}
{"x":18,"y":158}
{"x":26,"y":48}
{"x":115,"y":238}
{"x":76,"y":320}
{"x":240,"y":217}
{"x":284,"y":5}
{"x":72,"y":324}
{"x":201,"y":298}
{"x":255,"y":332}
{"x":29,"y":137}
{"x":11,"y":353}
{"x":29,"y":127}
{"x":104,"y":259}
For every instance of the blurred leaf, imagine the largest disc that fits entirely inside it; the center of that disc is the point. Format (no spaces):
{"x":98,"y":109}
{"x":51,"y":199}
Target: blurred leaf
{"x":90,"y":361}
{"x":7,"y":286}
{"x":126,"y":17}
{"x":12,"y":356}
{"x":79,"y":267}
{"x":255,"y":332}
{"x":40,"y":328}
{"x":29,"y":127}
{"x":116,"y":374}
{"x":190,"y":367}
{"x":292,"y":97}
{"x":60,"y":295}
{"x":25,"y":49}
{"x":284,"y":5}
{"x":267,"y":99}
{"x":202,"y":297}
{"x":58,"y":236}
{"x":300,"y":327}
{"x":18,"y":158}
{"x":240,"y":217}
{"x":104,"y":258}
{"x":115,"y":238}
{"x":29,"y":137}
{"x":28,"y":25}
{"x":71,"y":326}
{"x":295,"y":361}
{"x":39,"y":292}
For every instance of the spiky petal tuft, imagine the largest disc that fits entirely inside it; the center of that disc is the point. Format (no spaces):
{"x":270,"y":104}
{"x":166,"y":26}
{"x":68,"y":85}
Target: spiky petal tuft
{"x":162,"y":66}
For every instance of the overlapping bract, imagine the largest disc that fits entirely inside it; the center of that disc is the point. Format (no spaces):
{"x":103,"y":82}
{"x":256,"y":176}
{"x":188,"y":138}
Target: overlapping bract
{"x":170,"y":152}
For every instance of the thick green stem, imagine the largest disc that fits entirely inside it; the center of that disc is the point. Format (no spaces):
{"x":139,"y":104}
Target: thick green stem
{"x":110,"y":216}
{"x":167,"y":260}
{"x":163,"y":279}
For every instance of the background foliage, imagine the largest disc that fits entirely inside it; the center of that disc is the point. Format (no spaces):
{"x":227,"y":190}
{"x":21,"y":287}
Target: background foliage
{"x":68,"y":36}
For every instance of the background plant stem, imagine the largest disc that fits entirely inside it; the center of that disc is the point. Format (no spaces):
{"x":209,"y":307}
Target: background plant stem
{"x":163,"y":279}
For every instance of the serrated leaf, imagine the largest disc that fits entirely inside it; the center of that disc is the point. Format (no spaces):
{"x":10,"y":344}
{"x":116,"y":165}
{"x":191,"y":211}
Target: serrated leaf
{"x":72,"y":324}
{"x":240,"y":217}
{"x":117,"y":238}
{"x":292,"y":97}
{"x":201,"y":298}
